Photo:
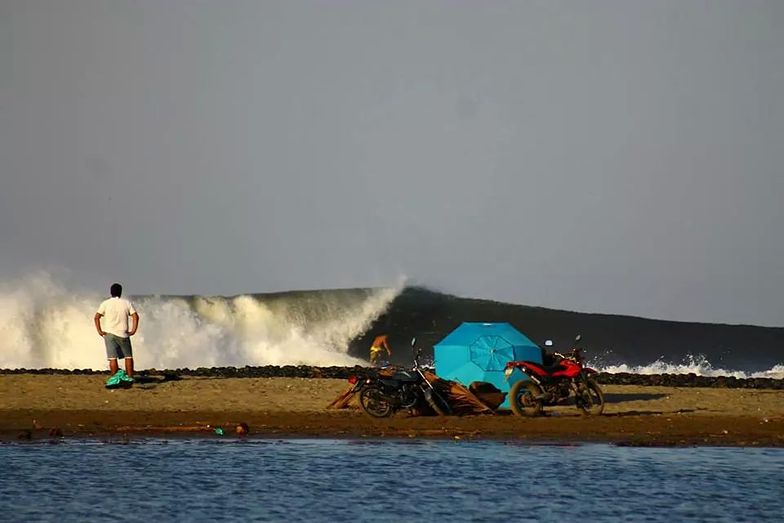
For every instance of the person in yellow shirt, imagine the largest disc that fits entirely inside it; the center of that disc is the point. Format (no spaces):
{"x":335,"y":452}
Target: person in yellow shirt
{"x":380,"y":344}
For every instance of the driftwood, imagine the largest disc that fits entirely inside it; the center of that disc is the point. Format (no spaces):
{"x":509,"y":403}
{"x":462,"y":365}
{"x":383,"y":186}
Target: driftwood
{"x":344,"y":399}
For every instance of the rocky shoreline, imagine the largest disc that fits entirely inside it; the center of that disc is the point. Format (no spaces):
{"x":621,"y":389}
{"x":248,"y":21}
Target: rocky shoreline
{"x":308,"y":371}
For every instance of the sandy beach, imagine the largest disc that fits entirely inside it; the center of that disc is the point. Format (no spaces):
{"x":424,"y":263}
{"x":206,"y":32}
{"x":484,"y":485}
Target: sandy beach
{"x":35,"y":407}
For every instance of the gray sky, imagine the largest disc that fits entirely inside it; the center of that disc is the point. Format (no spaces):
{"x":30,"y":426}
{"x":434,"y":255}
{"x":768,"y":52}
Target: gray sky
{"x":621,"y":157}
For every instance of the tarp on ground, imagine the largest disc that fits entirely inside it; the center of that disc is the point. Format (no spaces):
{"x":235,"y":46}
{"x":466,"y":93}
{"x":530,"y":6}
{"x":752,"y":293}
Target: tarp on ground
{"x":480,"y":351}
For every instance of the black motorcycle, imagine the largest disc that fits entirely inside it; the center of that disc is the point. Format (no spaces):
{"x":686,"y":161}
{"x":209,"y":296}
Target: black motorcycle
{"x":381,"y":396}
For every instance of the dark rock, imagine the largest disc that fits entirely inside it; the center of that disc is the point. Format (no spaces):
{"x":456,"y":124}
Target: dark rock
{"x":308,"y":371}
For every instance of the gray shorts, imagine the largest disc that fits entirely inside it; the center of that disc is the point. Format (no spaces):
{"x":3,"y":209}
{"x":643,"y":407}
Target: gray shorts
{"x":117,"y":347}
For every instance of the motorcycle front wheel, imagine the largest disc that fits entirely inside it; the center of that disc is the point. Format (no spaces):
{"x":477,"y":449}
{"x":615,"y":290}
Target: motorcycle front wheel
{"x":591,"y":399}
{"x":525,"y":398}
{"x":375,"y":403}
{"x":437,"y":403}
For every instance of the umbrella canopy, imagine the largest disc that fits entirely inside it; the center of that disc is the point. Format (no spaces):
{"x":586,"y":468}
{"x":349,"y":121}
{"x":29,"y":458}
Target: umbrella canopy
{"x":480,"y":351}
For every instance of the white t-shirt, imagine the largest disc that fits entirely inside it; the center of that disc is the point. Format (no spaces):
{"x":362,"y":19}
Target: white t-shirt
{"x":115,"y":312}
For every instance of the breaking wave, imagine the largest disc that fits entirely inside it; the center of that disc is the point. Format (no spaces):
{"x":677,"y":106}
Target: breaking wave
{"x":698,"y":365}
{"x":43,"y":324}
{"x":47,"y":324}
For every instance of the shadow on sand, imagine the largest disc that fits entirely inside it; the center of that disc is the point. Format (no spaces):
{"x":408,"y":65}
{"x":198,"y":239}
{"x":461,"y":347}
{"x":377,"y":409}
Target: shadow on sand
{"x":621,"y":398}
{"x":146,"y":381}
{"x":648,"y":412}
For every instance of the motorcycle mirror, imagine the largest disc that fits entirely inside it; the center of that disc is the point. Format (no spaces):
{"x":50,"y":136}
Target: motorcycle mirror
{"x":578,"y":338}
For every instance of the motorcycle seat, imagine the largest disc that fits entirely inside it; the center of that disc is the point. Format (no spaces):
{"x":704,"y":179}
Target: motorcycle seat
{"x":549,"y":369}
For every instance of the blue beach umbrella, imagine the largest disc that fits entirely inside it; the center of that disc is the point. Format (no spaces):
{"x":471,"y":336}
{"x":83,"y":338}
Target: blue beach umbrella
{"x":491,"y":352}
{"x":480,"y":351}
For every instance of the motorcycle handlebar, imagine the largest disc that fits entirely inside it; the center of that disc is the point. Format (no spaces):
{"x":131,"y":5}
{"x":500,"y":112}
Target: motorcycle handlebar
{"x":575,"y":354}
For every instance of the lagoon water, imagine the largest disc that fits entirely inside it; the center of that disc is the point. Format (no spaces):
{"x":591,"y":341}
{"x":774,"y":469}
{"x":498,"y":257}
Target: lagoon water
{"x":381,"y":480}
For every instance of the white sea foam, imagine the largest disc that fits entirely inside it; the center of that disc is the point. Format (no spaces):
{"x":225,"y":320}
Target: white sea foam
{"x":43,"y":324}
{"x":698,"y":365}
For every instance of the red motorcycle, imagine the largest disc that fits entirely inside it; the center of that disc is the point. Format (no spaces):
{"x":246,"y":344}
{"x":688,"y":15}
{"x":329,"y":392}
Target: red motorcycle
{"x":555,"y":383}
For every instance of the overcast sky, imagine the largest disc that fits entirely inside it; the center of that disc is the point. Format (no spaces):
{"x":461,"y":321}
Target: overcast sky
{"x":605,"y":156}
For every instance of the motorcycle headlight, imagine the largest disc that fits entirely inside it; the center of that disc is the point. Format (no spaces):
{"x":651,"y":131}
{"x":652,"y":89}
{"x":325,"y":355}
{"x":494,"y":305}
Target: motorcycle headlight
{"x":508,"y":372}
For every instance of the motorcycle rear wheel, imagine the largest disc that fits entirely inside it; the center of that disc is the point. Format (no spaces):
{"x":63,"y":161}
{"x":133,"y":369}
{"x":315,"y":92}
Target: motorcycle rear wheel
{"x":375,"y":403}
{"x":592,"y":401}
{"x":523,"y":399}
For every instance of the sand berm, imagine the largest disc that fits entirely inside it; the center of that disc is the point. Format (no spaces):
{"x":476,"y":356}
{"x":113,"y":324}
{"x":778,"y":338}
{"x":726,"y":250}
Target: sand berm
{"x":40,"y":407}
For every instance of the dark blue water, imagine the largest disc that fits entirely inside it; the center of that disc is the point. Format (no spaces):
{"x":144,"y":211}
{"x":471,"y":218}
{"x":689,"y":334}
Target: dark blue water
{"x":341,"y":480}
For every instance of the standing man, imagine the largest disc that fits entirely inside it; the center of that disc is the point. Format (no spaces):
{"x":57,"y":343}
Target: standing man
{"x":380,"y":344}
{"x":115,"y":313}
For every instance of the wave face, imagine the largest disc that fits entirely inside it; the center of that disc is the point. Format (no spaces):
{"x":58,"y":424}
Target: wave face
{"x":45,"y":325}
{"x":612,"y":343}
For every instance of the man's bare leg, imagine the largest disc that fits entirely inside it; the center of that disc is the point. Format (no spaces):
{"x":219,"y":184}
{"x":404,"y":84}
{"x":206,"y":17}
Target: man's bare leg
{"x":128,"y":366}
{"x":113,"y":366}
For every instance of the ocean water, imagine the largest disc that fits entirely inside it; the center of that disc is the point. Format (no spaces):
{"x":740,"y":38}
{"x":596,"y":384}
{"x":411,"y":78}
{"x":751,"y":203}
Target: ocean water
{"x":380,"y":480}
{"x":46,"y":323}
